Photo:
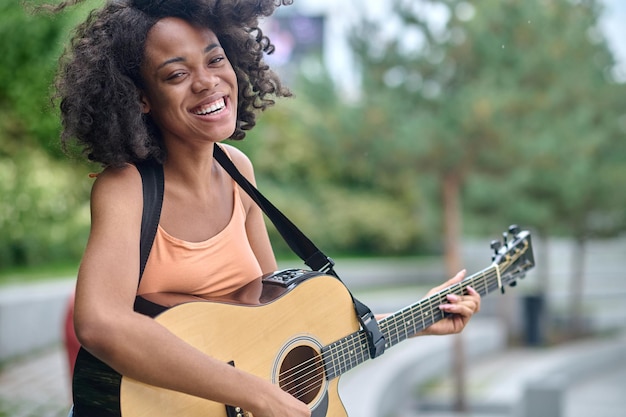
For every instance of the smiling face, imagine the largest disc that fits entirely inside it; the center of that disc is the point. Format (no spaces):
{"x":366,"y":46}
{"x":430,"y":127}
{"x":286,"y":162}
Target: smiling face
{"x":190,"y":86}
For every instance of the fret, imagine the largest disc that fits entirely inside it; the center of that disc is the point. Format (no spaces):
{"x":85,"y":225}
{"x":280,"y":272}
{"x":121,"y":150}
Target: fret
{"x":412,"y":319}
{"x":347,"y":361}
{"x":330,"y":367}
{"x":351,"y":351}
{"x":345,"y":354}
{"x":485,"y":287}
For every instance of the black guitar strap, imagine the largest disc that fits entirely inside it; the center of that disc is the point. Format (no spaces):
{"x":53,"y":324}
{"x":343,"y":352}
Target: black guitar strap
{"x":153,"y":183}
{"x":305,"y":249}
{"x":153,"y":187}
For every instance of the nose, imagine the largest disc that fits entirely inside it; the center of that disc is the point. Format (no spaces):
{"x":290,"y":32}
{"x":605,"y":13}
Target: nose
{"x":204,"y":80}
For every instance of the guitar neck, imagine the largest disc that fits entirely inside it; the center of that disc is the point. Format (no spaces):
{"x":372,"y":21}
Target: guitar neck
{"x":413,"y":319}
{"x":347,"y":353}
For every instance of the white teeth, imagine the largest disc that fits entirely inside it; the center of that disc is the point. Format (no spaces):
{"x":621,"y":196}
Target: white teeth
{"x":211,"y":108}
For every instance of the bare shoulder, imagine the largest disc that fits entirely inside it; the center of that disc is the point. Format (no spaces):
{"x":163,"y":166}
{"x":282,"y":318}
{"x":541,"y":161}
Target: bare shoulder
{"x":241,"y":161}
{"x":119,"y":176}
{"x":119,"y":187}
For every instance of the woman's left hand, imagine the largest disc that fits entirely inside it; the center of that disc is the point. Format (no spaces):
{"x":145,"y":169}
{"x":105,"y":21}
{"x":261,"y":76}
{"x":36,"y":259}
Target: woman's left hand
{"x":459,"y":308}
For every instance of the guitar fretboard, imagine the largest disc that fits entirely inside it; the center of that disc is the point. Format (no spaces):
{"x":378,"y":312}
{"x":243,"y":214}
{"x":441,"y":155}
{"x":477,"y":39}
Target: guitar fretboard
{"x":352,"y":350}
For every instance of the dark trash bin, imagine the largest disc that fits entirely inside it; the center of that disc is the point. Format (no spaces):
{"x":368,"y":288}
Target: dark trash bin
{"x":534,"y":305}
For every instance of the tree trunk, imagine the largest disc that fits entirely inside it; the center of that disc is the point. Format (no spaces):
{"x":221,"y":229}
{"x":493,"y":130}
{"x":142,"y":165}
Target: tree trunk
{"x":452,"y":235}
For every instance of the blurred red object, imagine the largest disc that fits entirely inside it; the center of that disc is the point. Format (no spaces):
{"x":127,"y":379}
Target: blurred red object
{"x":69,"y":336}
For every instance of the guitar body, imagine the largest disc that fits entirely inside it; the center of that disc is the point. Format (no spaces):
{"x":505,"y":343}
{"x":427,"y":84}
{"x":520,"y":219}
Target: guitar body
{"x":275,"y":334}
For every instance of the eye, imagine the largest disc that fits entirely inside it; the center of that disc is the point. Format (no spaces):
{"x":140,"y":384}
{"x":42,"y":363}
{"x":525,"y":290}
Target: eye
{"x":217,"y":60}
{"x":175,"y":76}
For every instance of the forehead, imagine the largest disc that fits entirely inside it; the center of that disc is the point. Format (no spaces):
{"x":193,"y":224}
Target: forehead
{"x":172,"y":36}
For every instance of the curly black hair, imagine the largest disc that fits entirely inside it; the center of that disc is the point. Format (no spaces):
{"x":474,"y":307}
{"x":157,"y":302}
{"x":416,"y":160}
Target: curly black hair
{"x":99,"y":79}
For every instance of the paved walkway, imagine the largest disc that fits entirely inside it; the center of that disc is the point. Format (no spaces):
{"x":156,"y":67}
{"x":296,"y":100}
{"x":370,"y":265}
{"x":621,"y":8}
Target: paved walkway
{"x":36,"y":386}
{"x":590,"y":376}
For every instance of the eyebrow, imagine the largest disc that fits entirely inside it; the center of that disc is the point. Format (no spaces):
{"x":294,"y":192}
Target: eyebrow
{"x":208,"y":49}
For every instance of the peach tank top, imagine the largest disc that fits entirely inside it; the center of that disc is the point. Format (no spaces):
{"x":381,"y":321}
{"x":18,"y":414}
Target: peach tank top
{"x":213,"y":268}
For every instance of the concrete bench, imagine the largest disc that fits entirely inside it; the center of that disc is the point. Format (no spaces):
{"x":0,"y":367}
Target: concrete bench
{"x":544,"y":394}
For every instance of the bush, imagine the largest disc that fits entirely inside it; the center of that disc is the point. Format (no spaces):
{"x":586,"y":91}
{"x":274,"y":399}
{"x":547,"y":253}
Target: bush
{"x":44,"y":212}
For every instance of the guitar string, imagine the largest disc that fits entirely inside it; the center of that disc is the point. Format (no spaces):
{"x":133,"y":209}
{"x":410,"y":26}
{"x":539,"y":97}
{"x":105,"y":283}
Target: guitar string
{"x":428,"y":308}
{"x":302,"y":389}
{"x":310,"y":369}
{"x":486,"y":277}
{"x":440,"y":297}
{"x":306,"y":386}
{"x":434,"y":299}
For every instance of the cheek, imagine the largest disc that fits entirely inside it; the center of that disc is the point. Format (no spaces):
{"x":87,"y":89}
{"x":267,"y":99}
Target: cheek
{"x":163,"y":104}
{"x":164,"y":115}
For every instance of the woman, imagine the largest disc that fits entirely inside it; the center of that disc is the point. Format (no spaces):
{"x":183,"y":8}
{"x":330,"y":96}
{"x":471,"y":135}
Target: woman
{"x":168,"y":80}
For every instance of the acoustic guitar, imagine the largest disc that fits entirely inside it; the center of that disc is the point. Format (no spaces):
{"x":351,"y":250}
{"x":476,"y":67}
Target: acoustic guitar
{"x":298,"y":329}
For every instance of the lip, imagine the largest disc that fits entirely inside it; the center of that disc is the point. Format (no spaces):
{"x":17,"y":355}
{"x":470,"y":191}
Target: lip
{"x":204,"y":104}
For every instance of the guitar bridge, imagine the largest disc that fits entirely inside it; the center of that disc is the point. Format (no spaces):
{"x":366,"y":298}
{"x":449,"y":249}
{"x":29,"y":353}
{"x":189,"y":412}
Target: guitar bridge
{"x":236,"y":412}
{"x":232,"y":411}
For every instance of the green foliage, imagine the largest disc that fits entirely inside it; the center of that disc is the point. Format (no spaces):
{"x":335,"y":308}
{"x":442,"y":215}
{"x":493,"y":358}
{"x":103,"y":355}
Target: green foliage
{"x":514,"y":98}
{"x":43,"y":212}
{"x":566,"y":118}
{"x":316,"y":160}
{"x":30,"y":45}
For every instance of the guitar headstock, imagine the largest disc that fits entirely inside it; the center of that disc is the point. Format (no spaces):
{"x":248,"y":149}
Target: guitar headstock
{"x":513,"y":255}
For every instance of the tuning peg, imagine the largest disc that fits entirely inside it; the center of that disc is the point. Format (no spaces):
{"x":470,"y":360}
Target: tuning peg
{"x":513,"y":283}
{"x":495,"y":245}
{"x":514,"y":229}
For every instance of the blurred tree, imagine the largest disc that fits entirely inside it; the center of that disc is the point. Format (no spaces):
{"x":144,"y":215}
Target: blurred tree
{"x":569,"y":120}
{"x":317,"y":160}
{"x":30,"y":45}
{"x":504,"y":100}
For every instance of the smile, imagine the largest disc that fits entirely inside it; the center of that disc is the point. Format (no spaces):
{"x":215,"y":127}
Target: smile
{"x":211,"y":108}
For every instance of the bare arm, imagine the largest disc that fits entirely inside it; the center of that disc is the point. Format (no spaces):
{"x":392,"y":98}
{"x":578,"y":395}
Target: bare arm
{"x":133,"y":344}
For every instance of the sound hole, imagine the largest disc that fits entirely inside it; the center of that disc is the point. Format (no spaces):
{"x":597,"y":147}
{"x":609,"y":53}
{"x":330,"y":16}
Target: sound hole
{"x":302,"y":374}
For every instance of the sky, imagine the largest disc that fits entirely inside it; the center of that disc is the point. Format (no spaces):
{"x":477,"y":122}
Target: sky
{"x":614,"y":26}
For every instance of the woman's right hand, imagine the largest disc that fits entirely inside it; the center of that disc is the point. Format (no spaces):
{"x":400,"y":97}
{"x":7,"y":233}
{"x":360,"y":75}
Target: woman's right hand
{"x":281,"y":404}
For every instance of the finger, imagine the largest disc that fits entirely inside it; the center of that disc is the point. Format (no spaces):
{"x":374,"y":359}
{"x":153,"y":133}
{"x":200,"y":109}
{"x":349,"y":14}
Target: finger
{"x":457,"y":278}
{"x":475,"y":296}
{"x":465,"y":306}
{"x":453,"y":298}
{"x":472,"y":291}
{"x":462,"y":309}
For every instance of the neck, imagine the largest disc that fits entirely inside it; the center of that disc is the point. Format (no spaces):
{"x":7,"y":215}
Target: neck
{"x":192,"y":167}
